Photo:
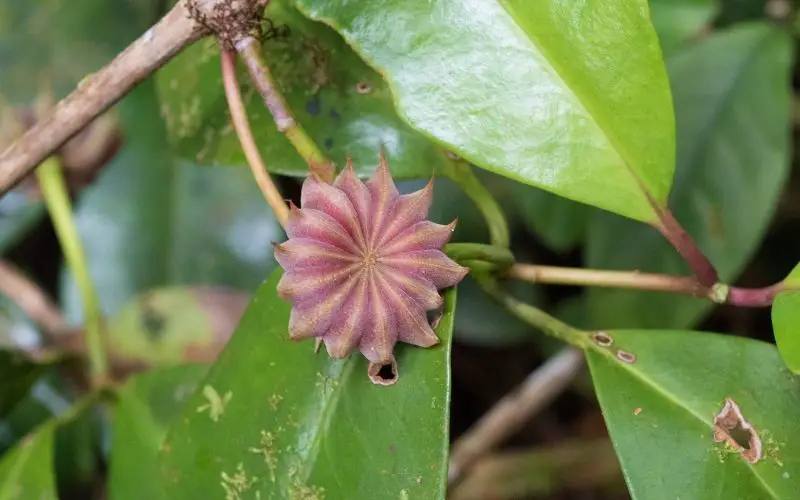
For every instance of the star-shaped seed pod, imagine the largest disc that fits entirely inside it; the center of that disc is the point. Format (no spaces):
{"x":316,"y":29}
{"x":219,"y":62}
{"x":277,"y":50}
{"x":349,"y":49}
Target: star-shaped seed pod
{"x":363,"y":265}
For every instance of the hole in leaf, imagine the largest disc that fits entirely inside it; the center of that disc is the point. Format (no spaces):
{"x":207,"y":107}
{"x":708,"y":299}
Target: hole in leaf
{"x":741,"y":436}
{"x":732,"y":428}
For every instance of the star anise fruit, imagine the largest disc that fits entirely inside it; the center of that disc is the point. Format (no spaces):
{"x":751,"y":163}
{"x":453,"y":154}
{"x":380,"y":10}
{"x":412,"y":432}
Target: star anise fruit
{"x":363,"y":265}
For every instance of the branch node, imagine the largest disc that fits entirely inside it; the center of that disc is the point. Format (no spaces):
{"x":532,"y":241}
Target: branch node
{"x":229,"y":20}
{"x":719,"y":293}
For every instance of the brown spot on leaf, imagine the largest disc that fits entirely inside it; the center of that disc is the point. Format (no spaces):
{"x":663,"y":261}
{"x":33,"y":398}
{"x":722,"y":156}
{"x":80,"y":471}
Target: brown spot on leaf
{"x":637,"y":411}
{"x":363,"y":88}
{"x":732,"y":428}
{"x":626,"y":357}
{"x":602,"y":339}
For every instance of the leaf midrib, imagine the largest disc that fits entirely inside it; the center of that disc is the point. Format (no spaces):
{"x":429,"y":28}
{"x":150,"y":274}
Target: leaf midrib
{"x":331,"y":401}
{"x":676,"y":401}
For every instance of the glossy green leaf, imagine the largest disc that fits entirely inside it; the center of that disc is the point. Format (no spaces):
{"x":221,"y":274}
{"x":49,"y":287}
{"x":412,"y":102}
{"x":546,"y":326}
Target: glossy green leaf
{"x":537,"y":91}
{"x":168,"y":326}
{"x":148,"y":222}
{"x":147,"y":405}
{"x":732,"y":100}
{"x":26,"y":472}
{"x":786,"y":321}
{"x":660,"y":407}
{"x":676,"y":21}
{"x":343,"y":104}
{"x":276,"y":420}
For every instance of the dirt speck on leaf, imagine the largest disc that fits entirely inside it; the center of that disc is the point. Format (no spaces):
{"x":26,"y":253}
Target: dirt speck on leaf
{"x":267,"y":450}
{"x":731,"y":428}
{"x":236,"y":483}
{"x":299,"y":491}
{"x":216,"y":404}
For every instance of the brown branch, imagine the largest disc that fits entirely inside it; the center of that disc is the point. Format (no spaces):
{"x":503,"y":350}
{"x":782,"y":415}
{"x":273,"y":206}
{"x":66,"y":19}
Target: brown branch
{"x":249,"y":49}
{"x":635,"y":280}
{"x":242,"y":126}
{"x":33,"y":301}
{"x":98,"y":92}
{"x":610,"y":279}
{"x":514,"y":410}
{"x":542,"y":472}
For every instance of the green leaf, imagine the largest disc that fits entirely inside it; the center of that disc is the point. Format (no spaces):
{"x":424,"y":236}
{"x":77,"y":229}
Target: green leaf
{"x":660,"y":409}
{"x":27,"y":470}
{"x":560,"y":223}
{"x":18,"y":375}
{"x":150,"y":222}
{"x":676,"y":21}
{"x":147,"y":405}
{"x":344,"y":105}
{"x":786,"y":321}
{"x":168,"y":326}
{"x":537,"y":91}
{"x":277,"y":420}
{"x":732,"y":101}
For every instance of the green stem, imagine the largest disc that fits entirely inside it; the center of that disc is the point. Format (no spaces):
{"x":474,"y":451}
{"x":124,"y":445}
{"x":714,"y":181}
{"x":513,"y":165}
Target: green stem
{"x":480,"y":257}
{"x":56,"y":197}
{"x":532,"y":315}
{"x":249,"y":50}
{"x":461,"y":173}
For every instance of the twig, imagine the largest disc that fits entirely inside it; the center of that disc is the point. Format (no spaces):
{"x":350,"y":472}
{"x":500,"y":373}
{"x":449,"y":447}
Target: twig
{"x":515,"y":409}
{"x":689,"y":285}
{"x":686,"y":247}
{"x":249,"y":49}
{"x":242,"y":127}
{"x":541,"y":472}
{"x":755,"y":297}
{"x":33,"y":301}
{"x":56,"y":197}
{"x":98,"y":92}
{"x":612,"y":279}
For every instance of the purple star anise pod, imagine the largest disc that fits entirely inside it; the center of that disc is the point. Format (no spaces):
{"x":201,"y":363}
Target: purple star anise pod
{"x":363,"y":265}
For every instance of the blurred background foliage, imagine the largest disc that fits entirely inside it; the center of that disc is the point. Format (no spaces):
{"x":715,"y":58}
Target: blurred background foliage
{"x":178,"y":236}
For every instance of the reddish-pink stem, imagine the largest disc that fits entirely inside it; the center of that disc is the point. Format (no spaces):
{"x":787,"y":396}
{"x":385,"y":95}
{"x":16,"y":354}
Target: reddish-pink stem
{"x":686,"y":247}
{"x":754,"y":297}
